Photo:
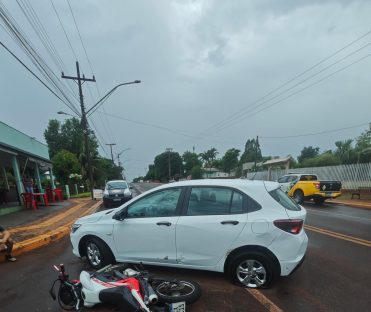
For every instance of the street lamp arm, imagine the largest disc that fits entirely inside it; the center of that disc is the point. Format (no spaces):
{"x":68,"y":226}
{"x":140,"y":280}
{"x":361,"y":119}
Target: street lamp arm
{"x":108,"y":94}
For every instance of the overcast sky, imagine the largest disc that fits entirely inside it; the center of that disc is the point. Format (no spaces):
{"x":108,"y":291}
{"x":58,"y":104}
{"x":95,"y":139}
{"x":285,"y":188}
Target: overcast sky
{"x":207,"y":70}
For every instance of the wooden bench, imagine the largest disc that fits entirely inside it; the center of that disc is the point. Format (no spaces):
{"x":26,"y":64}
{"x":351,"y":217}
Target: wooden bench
{"x":362,"y":189}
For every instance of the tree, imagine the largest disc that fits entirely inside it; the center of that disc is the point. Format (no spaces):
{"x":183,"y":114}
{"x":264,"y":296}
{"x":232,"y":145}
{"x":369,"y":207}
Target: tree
{"x":345,"y":152}
{"x":196,"y":172}
{"x":363,"y":147}
{"x":307,"y":153}
{"x":161,"y":165}
{"x":104,"y":170}
{"x":230,"y":159}
{"x":208,"y":157}
{"x":190,"y":161}
{"x":65,"y":163}
{"x":69,"y":137}
{"x":53,"y":137}
{"x":325,"y":159}
{"x":252,"y":152}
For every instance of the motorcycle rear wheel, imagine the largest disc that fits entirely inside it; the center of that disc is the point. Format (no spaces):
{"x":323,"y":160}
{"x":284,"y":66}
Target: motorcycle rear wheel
{"x":66,"y":298}
{"x":170,"y":291}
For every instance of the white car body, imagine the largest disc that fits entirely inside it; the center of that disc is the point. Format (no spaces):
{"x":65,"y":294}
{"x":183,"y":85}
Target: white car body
{"x":199,"y":241}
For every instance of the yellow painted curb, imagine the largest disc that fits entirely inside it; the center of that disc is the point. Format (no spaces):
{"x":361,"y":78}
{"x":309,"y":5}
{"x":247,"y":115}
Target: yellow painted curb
{"x":49,"y":237}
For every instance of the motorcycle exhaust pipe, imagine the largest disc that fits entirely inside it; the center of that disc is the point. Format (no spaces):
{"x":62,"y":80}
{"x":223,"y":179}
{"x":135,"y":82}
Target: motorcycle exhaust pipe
{"x":140,"y":301}
{"x":152,"y":296}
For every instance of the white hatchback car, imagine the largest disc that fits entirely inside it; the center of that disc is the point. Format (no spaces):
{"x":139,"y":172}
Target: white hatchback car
{"x":249,"y":229}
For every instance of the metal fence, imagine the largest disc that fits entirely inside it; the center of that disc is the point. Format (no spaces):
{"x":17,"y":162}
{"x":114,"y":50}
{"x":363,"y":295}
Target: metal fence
{"x":351,"y":176}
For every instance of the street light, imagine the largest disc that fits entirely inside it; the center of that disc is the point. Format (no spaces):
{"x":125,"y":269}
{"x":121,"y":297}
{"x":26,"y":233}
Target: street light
{"x":63,"y":113}
{"x":85,"y":114}
{"x":108,"y":94}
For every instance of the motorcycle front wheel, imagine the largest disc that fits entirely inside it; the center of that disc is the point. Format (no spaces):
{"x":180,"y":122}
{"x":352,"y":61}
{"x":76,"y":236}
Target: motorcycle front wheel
{"x":170,"y":291}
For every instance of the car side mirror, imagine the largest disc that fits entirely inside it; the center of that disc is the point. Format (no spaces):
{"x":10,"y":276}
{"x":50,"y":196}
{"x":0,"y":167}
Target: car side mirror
{"x":120,"y":215}
{"x":130,"y":187}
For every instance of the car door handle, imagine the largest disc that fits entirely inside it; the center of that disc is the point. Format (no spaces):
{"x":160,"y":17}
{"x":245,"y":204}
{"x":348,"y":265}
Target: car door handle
{"x":229,"y":222}
{"x":164,"y":223}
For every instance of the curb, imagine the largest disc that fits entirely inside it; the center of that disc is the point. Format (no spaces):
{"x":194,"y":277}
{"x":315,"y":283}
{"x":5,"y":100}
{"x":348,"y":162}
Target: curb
{"x":354,"y":205}
{"x":49,"y":237}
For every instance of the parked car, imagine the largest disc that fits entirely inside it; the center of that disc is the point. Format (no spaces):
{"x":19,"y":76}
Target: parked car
{"x":116,"y":193}
{"x":306,"y":187}
{"x":250,"y":230}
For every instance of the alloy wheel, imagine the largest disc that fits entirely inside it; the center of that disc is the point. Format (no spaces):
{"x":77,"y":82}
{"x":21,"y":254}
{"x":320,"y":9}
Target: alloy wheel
{"x":251,"y":273}
{"x":93,"y":254}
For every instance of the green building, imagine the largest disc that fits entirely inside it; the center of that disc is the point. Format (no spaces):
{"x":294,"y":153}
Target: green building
{"x":22,"y":158}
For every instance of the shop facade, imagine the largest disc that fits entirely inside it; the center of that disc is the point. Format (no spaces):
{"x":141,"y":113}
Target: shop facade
{"x":24,"y":161}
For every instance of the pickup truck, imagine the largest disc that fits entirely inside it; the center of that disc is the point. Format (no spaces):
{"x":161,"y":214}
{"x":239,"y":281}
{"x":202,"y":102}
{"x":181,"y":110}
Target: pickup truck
{"x":306,"y":187}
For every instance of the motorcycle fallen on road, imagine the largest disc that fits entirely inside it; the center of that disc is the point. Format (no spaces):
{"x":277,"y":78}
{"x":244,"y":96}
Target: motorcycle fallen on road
{"x":130,"y":289}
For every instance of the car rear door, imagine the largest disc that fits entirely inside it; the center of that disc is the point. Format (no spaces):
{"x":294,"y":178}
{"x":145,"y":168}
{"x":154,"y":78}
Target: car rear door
{"x":212,"y":219}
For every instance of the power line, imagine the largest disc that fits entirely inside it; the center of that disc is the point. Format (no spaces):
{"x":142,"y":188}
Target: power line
{"x":82,"y":42}
{"x":314,"y":133}
{"x":303,"y":89}
{"x":24,"y":65}
{"x":64,"y":30}
{"x":294,"y":86}
{"x":43,"y":36}
{"x":236,"y":114}
{"x":16,"y":33}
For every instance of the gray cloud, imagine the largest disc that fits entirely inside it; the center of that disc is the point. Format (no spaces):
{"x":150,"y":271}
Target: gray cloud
{"x":200,"y":62}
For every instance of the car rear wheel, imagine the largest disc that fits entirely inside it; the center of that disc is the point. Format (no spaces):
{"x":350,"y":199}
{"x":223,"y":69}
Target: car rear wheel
{"x":299,"y":196}
{"x":319,"y":201}
{"x":252,"y":269}
{"x":98,"y":253}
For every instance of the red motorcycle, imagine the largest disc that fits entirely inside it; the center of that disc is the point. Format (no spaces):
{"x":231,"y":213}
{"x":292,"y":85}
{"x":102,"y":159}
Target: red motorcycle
{"x":129,"y":289}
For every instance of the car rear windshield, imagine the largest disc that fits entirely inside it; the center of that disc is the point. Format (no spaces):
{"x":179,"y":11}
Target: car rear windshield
{"x":284,"y":200}
{"x":116,"y":185}
{"x":308,"y":177}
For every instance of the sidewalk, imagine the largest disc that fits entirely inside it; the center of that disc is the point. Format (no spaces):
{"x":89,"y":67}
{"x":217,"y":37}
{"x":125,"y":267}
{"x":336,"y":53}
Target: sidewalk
{"x":357,"y":203}
{"x":33,"y":229}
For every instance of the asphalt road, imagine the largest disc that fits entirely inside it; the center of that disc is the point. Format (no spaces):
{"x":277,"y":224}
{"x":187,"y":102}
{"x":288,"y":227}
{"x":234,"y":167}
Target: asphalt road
{"x":334,"y":277}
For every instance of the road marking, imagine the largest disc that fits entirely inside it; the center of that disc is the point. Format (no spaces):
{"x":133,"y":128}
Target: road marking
{"x":352,"y":239}
{"x":269,"y":305}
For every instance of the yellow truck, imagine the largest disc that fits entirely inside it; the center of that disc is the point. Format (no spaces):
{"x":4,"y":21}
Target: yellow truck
{"x":307,"y":187}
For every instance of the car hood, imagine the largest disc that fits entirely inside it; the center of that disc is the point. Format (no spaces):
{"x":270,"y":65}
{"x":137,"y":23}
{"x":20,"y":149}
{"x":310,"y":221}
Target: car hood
{"x":95,"y":217}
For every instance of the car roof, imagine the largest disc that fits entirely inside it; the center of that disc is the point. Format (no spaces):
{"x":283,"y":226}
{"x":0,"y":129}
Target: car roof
{"x":238,"y":183}
{"x":116,"y":181}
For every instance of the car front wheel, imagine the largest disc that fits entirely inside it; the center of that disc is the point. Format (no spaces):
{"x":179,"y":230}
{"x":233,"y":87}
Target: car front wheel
{"x":252,"y":269}
{"x":98,"y":253}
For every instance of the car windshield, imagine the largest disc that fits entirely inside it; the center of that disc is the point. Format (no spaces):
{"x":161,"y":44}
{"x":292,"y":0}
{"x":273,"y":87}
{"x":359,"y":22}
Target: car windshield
{"x":116,"y":185}
{"x":284,"y":200}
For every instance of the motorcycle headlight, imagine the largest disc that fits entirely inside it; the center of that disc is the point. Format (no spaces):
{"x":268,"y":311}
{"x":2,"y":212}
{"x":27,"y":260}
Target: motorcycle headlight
{"x":75,"y":227}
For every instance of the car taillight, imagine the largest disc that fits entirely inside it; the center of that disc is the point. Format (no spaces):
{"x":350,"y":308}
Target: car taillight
{"x":316,"y":185}
{"x":292,"y":226}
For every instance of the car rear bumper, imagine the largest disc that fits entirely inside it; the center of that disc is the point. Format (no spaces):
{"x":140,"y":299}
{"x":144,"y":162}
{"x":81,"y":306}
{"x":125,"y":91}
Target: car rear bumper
{"x":327,"y":195}
{"x":289,"y":265}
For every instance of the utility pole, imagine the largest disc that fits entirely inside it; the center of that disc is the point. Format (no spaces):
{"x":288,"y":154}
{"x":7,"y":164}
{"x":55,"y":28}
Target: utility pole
{"x":168,"y":152}
{"x":84,"y":122}
{"x":256,"y":151}
{"x":110,"y":145}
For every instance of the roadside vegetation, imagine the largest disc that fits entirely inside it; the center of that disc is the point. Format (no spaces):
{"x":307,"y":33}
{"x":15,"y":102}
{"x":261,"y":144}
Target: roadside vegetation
{"x":191,"y":164}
